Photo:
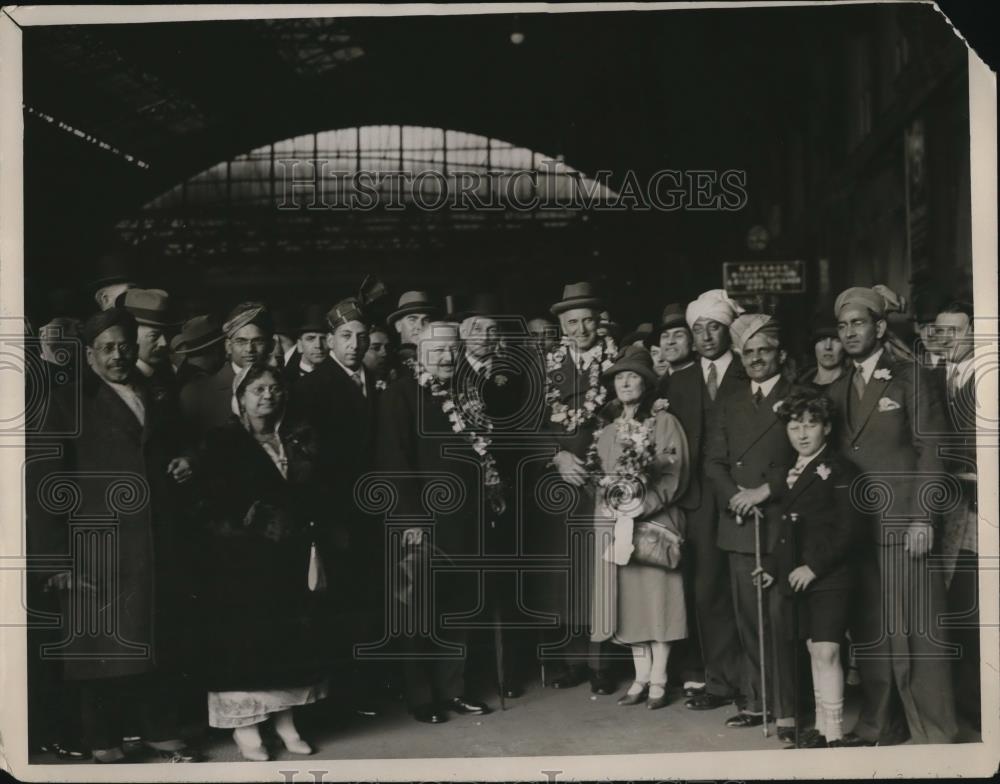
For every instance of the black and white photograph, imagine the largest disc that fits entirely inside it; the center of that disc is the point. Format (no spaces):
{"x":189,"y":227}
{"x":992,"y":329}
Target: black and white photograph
{"x":485,"y":392}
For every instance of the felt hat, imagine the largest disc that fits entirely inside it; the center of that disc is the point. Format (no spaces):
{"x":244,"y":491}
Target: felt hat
{"x":638,"y":360}
{"x":671,"y":318}
{"x":641,"y":332}
{"x":413,"y":302}
{"x":106,"y":319}
{"x":482,"y":304}
{"x":113,"y":268}
{"x":313,"y":319}
{"x":196,"y":334}
{"x":577,"y":295}
{"x":150,"y":307}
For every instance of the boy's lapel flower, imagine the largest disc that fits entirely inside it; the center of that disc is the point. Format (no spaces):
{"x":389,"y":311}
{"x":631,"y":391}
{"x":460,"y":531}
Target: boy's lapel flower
{"x":380,"y":385}
{"x":823,"y":471}
{"x":882,"y":374}
{"x":776,"y":408}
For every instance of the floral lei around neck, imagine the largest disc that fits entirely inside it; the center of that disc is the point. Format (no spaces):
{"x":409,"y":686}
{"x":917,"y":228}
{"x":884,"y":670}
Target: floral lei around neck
{"x":594,"y":397}
{"x":638,"y":451}
{"x":461,"y":409}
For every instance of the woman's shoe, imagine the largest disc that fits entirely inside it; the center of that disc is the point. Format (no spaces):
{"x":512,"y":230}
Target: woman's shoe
{"x":252,"y":753}
{"x":657,"y":696}
{"x":634,"y":698}
{"x":297,"y":746}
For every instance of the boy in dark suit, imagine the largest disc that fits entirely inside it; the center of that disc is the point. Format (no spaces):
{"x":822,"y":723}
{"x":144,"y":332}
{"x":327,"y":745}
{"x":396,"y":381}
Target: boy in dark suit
{"x":812,"y":554}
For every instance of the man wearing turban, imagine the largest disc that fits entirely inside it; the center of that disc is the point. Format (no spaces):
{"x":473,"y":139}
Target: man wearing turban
{"x":748,"y":454}
{"x":249,"y":339}
{"x":904,"y":671}
{"x":711,"y":662}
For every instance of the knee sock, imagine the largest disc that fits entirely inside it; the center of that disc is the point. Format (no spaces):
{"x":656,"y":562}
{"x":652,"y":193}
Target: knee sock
{"x":820,"y":715}
{"x":831,"y":698}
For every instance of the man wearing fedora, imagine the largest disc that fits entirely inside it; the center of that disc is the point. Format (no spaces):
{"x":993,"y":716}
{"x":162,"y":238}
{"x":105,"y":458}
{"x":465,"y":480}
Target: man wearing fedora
{"x":248,"y":330}
{"x":152,"y":312}
{"x":695,"y":392}
{"x":575,"y":392}
{"x":310,"y":344}
{"x":198,"y":349}
{"x":411,"y":316}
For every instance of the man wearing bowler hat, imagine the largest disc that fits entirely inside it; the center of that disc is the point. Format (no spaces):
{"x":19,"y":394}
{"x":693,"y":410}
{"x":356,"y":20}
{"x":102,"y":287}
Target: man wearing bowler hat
{"x":115,"y":275}
{"x":411,"y":317}
{"x":199,"y":349}
{"x":152,"y":312}
{"x":310,"y":344}
{"x":249,"y":335}
{"x":574,"y":394}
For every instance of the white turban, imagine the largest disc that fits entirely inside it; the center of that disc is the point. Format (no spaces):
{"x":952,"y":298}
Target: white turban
{"x":748,"y":325}
{"x":715,"y":305}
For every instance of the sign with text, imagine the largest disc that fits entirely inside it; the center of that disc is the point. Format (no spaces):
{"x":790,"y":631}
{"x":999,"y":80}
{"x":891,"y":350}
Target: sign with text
{"x":764,"y":277}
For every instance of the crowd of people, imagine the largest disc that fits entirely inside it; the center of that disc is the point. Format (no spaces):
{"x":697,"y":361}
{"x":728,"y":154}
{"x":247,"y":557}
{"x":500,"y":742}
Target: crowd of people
{"x":254,"y":502}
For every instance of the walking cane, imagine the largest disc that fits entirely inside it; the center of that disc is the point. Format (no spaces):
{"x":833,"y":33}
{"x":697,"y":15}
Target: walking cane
{"x":794,"y":517}
{"x":760,"y":615}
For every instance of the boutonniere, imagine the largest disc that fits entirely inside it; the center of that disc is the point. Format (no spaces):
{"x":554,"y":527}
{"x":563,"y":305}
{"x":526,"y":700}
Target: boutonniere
{"x":776,"y":408}
{"x":823,"y":471}
{"x":887,"y":404}
{"x":882,"y":374}
{"x":381,"y":386}
{"x":499,"y":379}
{"x":660,"y":404}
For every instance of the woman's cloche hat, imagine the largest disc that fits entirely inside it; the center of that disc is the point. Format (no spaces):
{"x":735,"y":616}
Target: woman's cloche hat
{"x":638,"y":360}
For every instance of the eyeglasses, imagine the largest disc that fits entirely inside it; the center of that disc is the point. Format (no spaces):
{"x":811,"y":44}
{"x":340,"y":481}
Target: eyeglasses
{"x":273,"y":389}
{"x":255,"y":342}
{"x":107,"y":349}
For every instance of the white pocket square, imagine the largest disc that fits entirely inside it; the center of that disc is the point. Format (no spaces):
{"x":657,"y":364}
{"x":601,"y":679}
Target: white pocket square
{"x":887,"y":404}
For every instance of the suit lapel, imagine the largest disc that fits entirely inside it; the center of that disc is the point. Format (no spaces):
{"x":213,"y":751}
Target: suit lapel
{"x":119,"y":411}
{"x":874,"y":390}
{"x":805,"y":480}
{"x":761,"y":417}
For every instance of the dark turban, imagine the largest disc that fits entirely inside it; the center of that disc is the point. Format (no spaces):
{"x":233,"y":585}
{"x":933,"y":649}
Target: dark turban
{"x":106,"y":319}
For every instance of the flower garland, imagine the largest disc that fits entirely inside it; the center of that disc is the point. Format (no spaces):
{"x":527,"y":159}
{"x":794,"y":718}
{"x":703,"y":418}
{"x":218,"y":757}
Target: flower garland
{"x":594,"y":397}
{"x":460,"y":412}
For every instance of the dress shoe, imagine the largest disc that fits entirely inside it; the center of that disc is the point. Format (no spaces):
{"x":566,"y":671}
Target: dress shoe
{"x":836,"y":744}
{"x":660,"y":700}
{"x":851,"y":740}
{"x":466,"y":707}
{"x":693,"y":691}
{"x":430,"y":714}
{"x":634,"y":697}
{"x":707,"y":701}
{"x":601,"y":683}
{"x":741,"y":720}
{"x":787,"y":734}
{"x":569,"y":679}
{"x":64,"y":751}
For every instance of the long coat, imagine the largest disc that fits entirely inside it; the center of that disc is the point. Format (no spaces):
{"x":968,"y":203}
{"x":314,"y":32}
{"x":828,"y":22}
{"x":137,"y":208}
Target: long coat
{"x":636,"y":603}
{"x":130,"y":549}
{"x":552,"y":506}
{"x":748,"y":447}
{"x":208,"y":402}
{"x":263,"y":627}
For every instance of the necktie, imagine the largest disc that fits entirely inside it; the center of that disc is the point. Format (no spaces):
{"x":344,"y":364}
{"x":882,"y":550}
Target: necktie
{"x":757,"y":397}
{"x":859,"y":383}
{"x":713,"y":381}
{"x":794,"y":473}
{"x":356,"y":378}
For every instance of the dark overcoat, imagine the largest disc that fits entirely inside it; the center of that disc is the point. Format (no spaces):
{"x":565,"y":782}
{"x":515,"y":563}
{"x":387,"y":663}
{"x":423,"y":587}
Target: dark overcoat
{"x":207,"y":402}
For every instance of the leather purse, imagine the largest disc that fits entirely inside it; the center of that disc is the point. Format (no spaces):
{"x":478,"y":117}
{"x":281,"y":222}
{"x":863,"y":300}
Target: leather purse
{"x":655,"y":545}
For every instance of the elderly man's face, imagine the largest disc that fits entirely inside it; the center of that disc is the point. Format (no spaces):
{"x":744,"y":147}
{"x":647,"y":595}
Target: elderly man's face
{"x":411,"y":327}
{"x":113,"y":354}
{"x":153,"y":347}
{"x":711,"y":338}
{"x":859,"y":331}
{"x":439,"y":350}
{"x":580,"y":325}
{"x":675,"y":345}
{"x":481,"y":337}
{"x":762,"y":357}
{"x":953,"y":334}
{"x":249,"y":345}
{"x":349,"y":343}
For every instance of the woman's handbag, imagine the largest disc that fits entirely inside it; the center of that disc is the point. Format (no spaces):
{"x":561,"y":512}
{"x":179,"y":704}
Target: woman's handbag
{"x":655,"y":545}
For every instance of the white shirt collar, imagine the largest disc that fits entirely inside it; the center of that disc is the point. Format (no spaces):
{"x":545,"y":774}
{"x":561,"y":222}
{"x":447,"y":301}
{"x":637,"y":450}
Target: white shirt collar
{"x":671,"y":369}
{"x":868,"y":366}
{"x":359,"y":372}
{"x":131,"y":397}
{"x":236,"y":368}
{"x":592,"y":354}
{"x":721,"y":366}
{"x":305,"y":366}
{"x":765,"y":387}
{"x":288,"y":354}
{"x":480,"y":365}
{"x":145,"y":368}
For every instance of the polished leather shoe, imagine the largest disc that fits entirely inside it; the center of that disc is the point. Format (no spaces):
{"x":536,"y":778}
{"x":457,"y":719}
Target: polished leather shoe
{"x":65,"y":752}
{"x":707,"y":701}
{"x":634,"y":698}
{"x":741,"y":720}
{"x":655,"y":703}
{"x":851,"y":740}
{"x":601,"y":683}
{"x":787,"y":734}
{"x":466,"y":707}
{"x":690,"y":692}
{"x":569,"y":679}
{"x":430,"y":714}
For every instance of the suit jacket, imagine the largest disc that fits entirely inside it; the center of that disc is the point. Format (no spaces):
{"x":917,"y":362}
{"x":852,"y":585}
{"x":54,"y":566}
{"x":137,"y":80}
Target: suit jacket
{"x":748,"y":447}
{"x":207,"y":402}
{"x":689,"y":402}
{"x":117,"y":468}
{"x":572,"y":385}
{"x":879,"y":434}
{"x":828,"y":524}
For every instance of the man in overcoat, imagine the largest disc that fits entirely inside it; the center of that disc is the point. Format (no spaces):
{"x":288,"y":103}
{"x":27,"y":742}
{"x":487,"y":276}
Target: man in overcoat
{"x":900,"y":648}
{"x":747,"y":456}
{"x":122,"y":466}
